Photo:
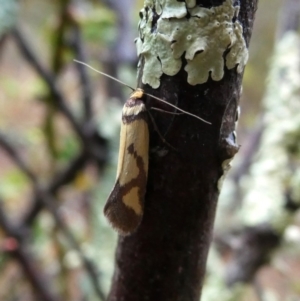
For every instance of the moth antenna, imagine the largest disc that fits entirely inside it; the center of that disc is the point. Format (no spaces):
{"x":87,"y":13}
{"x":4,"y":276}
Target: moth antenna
{"x":105,"y":74}
{"x":164,"y":111}
{"x":171,"y":105}
{"x":157,"y":98}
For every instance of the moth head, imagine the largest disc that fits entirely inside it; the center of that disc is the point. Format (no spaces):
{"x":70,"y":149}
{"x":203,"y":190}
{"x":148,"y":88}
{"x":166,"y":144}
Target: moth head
{"x":138,"y":93}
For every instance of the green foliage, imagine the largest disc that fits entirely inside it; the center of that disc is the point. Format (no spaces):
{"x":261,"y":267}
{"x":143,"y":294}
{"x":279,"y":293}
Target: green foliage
{"x":12,"y":183}
{"x":99,"y":26}
{"x":69,"y":148}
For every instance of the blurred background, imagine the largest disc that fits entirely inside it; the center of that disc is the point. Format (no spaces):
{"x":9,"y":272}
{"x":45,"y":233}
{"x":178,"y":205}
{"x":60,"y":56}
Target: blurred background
{"x":59,"y":131}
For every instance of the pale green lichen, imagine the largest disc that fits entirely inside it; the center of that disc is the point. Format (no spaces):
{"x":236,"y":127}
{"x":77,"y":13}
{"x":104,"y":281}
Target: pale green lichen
{"x":238,"y":54}
{"x":190,"y":3}
{"x":158,"y":8}
{"x":175,"y":9}
{"x":202,"y":38}
{"x":274,"y":173}
{"x":226,"y":166}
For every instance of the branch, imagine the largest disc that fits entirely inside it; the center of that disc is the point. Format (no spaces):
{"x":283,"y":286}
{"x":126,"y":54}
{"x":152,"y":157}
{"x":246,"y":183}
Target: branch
{"x":44,"y":199}
{"x":94,"y":146}
{"x":83,"y":74}
{"x":39,"y":282}
{"x":88,"y":264}
{"x":10,"y":150}
{"x":257,"y":243}
{"x":60,"y":179}
{"x":251,"y":250}
{"x":123,"y":51}
{"x":167,"y":253}
{"x":58,"y":98}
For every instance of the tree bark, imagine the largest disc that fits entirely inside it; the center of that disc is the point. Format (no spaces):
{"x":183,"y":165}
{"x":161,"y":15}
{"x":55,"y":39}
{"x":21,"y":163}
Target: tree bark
{"x":165,"y":258}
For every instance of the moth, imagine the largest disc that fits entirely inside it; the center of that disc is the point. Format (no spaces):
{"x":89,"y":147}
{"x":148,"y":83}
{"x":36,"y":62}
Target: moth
{"x":125,"y":205}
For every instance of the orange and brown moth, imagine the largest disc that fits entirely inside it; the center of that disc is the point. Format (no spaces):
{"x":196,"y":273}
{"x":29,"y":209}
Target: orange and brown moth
{"x":125,"y":205}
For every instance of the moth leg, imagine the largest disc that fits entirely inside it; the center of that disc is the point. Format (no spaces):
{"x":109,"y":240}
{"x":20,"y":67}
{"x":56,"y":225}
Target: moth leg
{"x":159,"y":133}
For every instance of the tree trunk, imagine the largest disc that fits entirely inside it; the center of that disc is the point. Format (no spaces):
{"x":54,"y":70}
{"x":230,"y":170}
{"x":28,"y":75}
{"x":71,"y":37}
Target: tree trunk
{"x":165,"y":258}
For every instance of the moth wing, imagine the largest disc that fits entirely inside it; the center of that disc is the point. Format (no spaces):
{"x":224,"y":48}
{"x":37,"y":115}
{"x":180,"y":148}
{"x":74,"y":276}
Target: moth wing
{"x":125,"y":204}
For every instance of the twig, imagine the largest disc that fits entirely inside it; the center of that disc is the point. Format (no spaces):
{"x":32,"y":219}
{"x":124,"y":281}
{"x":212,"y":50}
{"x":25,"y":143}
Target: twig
{"x":89,"y":266}
{"x":44,"y":198}
{"x":3,"y":39}
{"x":58,"y":181}
{"x":57,"y":65}
{"x":4,"y":143}
{"x":35,"y":277}
{"x":252,"y":250}
{"x":91,"y":141}
{"x":123,"y":51}
{"x":64,"y":22}
{"x":48,"y":78}
{"x":94,"y":148}
{"x":84,"y":78}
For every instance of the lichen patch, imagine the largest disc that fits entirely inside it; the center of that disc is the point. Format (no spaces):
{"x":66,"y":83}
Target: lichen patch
{"x":200,"y":35}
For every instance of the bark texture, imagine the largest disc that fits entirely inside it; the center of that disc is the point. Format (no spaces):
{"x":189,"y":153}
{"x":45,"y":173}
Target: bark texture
{"x":165,"y":259}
